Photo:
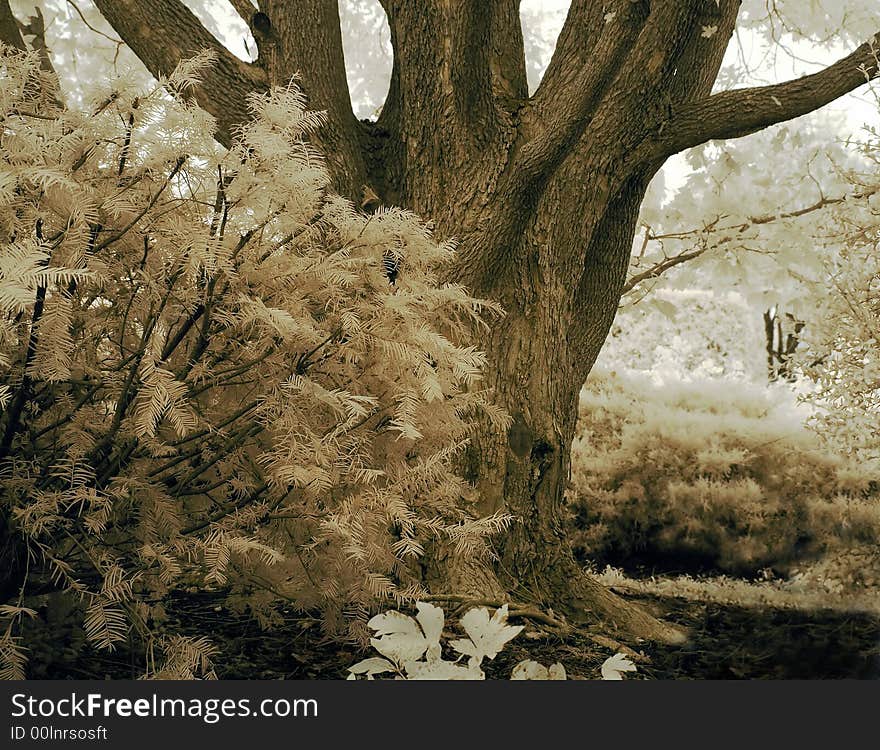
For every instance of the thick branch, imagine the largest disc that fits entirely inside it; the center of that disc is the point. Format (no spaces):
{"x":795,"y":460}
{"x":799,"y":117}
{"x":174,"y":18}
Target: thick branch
{"x":733,"y":114}
{"x":632,"y":64}
{"x":164,"y":32}
{"x":9,"y":32}
{"x":574,"y":47}
{"x":507,"y":61}
{"x":306,"y":38}
{"x":703,"y":51}
{"x":604,"y":273}
{"x":576,"y":85}
{"x":463,"y":56}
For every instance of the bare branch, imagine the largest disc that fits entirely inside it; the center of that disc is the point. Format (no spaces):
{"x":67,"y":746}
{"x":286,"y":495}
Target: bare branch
{"x":732,"y":232}
{"x":661,"y":267}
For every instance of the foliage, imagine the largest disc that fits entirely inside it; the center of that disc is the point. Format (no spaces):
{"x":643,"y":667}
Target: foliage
{"x":758,"y":230}
{"x":684,"y":334}
{"x":714,"y":471}
{"x":411,"y":648}
{"x":825,"y":584}
{"x":206,"y":377}
{"x":841,"y":352}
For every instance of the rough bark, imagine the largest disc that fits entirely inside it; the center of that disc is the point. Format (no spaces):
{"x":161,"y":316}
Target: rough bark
{"x":543,"y":192}
{"x":9,"y":31}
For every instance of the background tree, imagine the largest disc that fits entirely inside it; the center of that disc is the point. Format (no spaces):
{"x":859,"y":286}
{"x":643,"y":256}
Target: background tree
{"x":542,"y":191}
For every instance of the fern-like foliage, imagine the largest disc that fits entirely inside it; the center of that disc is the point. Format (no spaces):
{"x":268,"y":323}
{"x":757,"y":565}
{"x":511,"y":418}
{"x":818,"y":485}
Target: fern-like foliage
{"x":206,"y":377}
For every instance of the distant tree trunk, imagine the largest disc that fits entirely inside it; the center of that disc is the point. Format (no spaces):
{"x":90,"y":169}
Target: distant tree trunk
{"x":782,"y":337}
{"x":542,"y":192}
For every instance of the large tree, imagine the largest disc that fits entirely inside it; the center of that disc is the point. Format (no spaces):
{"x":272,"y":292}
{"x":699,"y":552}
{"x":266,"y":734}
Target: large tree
{"x":542,"y":191}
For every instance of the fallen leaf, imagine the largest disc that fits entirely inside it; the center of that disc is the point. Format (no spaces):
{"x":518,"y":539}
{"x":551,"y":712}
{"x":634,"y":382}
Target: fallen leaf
{"x":614,"y":667}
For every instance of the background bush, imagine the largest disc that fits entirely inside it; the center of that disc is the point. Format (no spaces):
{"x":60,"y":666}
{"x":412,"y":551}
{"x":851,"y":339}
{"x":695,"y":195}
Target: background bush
{"x":716,"y":472}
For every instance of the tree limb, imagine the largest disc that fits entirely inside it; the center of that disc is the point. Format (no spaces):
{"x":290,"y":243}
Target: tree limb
{"x":703,"y":52}
{"x":307,"y":40}
{"x":658,"y":269}
{"x":9,"y":31}
{"x":634,"y":59}
{"x":164,"y":32}
{"x":733,"y":114}
{"x":575,"y":86}
{"x":574,"y":47}
{"x":507,"y":62}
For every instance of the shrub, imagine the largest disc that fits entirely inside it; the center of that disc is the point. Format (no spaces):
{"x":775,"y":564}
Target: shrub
{"x":207,"y":380}
{"x":719,"y":472}
{"x":841,"y":352}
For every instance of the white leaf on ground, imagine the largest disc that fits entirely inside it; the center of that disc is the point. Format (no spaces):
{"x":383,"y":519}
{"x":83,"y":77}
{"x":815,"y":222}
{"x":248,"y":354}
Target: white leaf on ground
{"x":487,"y":636}
{"x":400,"y":637}
{"x":373,"y":665}
{"x":431,"y":620}
{"x":529,"y":670}
{"x":442,"y":670}
{"x":532,"y":670}
{"x":614,"y":667}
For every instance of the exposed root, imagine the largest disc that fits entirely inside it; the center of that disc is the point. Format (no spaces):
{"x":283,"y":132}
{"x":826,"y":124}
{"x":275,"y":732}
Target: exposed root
{"x":575,"y":597}
{"x":589,"y":600}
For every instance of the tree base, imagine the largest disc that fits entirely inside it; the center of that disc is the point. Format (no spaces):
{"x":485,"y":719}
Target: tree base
{"x":566,"y":589}
{"x":589,"y":600}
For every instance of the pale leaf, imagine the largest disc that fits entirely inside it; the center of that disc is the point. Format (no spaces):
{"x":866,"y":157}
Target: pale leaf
{"x":431,"y":620}
{"x":487,"y":636}
{"x":401,"y":638}
{"x":529,"y":670}
{"x":614,"y":667}
{"x":442,"y":670}
{"x":373,"y":665}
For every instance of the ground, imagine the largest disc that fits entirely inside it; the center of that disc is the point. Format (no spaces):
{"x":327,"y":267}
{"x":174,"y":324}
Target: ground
{"x":726,"y":642}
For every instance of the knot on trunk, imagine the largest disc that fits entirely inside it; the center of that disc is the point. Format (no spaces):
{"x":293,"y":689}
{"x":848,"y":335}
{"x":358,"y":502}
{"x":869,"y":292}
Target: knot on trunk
{"x":520,"y":437}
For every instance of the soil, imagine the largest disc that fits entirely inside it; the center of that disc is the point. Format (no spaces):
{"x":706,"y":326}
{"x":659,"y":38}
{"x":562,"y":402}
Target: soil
{"x":726,"y":643}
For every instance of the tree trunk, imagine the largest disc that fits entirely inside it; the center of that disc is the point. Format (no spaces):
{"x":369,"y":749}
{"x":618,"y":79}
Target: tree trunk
{"x":543,"y":192}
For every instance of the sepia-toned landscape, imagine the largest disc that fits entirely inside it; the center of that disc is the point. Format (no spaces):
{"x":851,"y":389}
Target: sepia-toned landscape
{"x":439,"y":339}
